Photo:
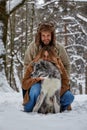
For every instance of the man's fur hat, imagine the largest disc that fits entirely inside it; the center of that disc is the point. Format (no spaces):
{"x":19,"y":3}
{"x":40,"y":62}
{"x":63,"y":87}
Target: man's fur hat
{"x":45,"y":26}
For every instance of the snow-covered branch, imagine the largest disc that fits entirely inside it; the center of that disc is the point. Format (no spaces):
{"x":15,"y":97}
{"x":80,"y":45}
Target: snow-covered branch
{"x":12,"y":5}
{"x":76,"y":21}
{"x":76,"y":45}
{"x":82,"y":17}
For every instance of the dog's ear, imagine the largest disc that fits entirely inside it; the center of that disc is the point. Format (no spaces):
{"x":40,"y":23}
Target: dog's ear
{"x":41,"y":61}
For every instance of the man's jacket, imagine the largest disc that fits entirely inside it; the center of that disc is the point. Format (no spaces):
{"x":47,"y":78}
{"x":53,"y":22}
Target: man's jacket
{"x":33,"y":50}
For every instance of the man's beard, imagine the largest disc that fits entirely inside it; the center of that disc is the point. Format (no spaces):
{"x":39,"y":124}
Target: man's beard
{"x":50,"y":44}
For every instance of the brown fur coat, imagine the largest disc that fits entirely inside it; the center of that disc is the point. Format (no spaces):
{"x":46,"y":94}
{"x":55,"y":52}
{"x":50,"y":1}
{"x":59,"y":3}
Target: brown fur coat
{"x":27,"y":81}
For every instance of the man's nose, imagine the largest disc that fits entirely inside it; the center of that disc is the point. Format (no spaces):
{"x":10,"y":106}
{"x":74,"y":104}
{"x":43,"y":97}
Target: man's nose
{"x":46,"y":37}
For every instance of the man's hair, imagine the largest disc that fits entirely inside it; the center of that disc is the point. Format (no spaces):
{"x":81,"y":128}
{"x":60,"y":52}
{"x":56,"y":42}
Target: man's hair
{"x":45,"y":26}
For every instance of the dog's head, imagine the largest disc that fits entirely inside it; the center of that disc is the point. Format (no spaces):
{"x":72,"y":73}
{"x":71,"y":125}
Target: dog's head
{"x":45,"y":69}
{"x":40,"y":69}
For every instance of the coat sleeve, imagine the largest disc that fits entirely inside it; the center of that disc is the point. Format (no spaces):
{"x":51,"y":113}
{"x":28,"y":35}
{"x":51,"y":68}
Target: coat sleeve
{"x":63,"y":70}
{"x":28,"y":57}
{"x":65,"y":79}
{"x":65,"y":59}
{"x":27,"y":81}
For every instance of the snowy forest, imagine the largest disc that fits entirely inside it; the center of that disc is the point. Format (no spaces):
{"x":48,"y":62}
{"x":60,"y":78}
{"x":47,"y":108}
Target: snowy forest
{"x":19,"y":20}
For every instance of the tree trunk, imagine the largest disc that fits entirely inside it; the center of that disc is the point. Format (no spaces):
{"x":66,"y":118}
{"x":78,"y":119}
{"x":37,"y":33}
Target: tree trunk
{"x":32,"y":22}
{"x":12,"y":32}
{"x":4,"y":23}
{"x":86,"y":80}
{"x":80,"y":88}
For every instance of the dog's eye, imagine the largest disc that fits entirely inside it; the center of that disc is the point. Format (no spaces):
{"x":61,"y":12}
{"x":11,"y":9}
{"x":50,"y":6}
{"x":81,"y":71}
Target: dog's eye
{"x":36,"y":69}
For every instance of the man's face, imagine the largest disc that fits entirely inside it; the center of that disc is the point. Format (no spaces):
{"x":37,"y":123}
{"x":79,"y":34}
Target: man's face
{"x":46,"y":37}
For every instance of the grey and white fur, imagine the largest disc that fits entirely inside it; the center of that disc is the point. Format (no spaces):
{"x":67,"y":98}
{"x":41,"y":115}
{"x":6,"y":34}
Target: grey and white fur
{"x":49,"y":99}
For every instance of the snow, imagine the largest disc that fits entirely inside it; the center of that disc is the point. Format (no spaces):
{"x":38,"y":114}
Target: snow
{"x":80,"y":0}
{"x":82,"y":18}
{"x":39,"y":2}
{"x":18,"y":82}
{"x":2,"y":49}
{"x":13,"y":118}
{"x":1,"y":28}
{"x":4,"y":86}
{"x":12,"y":4}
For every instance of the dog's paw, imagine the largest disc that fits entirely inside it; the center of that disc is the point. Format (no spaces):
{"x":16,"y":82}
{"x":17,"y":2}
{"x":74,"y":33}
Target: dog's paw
{"x":39,"y":102}
{"x":56,"y":105}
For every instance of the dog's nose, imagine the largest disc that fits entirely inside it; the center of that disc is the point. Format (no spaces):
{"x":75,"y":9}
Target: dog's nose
{"x":31,"y":75}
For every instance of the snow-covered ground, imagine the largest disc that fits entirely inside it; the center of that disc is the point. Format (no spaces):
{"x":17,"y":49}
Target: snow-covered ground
{"x":13,"y":118}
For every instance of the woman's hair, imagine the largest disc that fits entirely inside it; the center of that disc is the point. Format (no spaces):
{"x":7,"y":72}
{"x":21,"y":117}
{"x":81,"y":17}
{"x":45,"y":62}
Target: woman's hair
{"x":45,"y":26}
{"x":49,"y":49}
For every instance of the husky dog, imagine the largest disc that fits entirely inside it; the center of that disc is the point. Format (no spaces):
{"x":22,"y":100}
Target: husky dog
{"x":49,"y":99}
{"x":44,"y":68}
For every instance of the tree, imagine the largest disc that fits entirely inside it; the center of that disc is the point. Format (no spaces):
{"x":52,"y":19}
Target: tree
{"x":6,"y":9}
{"x":86,"y":79}
{"x":20,"y":34}
{"x":69,"y":18}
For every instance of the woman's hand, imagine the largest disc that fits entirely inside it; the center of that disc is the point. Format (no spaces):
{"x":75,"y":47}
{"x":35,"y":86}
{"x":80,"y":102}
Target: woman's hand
{"x":42,"y":78}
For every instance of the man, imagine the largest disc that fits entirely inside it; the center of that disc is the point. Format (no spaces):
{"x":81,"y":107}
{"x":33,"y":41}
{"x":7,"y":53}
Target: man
{"x":46,"y":37}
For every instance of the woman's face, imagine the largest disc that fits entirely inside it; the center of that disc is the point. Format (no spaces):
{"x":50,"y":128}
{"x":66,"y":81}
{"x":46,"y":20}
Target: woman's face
{"x":45,"y":56}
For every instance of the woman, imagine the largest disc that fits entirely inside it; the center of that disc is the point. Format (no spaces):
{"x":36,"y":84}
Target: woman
{"x":33,"y":85}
